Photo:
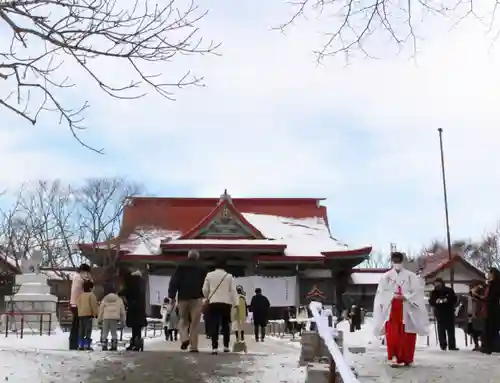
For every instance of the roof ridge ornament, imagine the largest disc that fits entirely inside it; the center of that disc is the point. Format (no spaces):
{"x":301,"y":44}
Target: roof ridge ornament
{"x":225,"y":197}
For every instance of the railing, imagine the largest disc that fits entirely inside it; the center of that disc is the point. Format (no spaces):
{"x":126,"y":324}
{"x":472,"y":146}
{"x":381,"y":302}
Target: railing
{"x":325,"y":332}
{"x":10,"y":321}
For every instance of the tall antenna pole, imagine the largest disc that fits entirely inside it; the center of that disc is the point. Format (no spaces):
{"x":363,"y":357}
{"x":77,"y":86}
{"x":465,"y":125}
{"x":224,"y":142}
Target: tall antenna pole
{"x":447,"y":217}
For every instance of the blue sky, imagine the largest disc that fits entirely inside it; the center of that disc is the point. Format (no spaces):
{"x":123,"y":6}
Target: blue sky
{"x":270,"y":122}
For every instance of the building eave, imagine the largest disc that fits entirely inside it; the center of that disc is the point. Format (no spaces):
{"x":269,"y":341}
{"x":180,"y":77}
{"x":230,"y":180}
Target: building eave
{"x":223,"y":246}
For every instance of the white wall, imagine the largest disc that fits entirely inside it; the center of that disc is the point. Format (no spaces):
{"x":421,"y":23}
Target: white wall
{"x":281,"y":291}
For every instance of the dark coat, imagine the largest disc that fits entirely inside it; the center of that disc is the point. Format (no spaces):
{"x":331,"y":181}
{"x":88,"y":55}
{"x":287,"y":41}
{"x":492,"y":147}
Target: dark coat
{"x":259,"y":306}
{"x":492,"y":303}
{"x":355,"y":315}
{"x":491,"y":313}
{"x":187,"y":281}
{"x":444,"y":301}
{"x":134,"y":294}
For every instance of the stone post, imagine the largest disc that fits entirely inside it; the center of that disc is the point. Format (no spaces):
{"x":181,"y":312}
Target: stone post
{"x":317,"y":357}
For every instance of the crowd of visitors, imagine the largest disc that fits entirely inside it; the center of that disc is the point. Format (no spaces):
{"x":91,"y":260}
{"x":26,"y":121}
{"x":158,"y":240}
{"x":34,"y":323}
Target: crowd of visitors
{"x":125,"y":304}
{"x":194,"y":292}
{"x":478,"y":315}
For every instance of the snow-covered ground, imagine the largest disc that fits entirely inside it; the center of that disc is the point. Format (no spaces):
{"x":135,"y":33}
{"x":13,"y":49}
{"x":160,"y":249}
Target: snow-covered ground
{"x":45,"y":359}
{"x":431,"y":364}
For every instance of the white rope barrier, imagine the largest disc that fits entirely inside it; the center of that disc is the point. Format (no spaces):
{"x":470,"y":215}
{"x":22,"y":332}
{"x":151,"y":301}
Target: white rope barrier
{"x":325,"y":332}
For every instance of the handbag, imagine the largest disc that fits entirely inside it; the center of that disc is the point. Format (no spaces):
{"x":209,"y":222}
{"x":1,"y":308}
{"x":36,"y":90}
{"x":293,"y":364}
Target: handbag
{"x":207,"y":301}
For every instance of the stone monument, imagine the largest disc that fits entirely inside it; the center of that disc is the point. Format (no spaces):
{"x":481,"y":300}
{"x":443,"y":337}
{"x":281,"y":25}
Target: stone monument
{"x":32,"y":307}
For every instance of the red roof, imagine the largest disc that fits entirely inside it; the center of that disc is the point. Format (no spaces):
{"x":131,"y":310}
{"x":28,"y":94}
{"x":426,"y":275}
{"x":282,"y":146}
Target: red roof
{"x":435,"y":263}
{"x":184,"y":214}
{"x":190,"y":215}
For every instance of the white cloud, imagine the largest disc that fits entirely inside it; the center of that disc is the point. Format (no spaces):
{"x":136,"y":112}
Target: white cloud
{"x":271,"y":122}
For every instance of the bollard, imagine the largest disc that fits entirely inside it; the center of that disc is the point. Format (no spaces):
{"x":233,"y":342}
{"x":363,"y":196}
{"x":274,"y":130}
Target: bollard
{"x":22,"y":326}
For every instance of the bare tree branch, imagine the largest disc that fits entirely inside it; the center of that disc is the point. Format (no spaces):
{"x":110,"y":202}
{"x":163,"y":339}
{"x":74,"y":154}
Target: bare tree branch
{"x":46,"y":35}
{"x":353,"y":23}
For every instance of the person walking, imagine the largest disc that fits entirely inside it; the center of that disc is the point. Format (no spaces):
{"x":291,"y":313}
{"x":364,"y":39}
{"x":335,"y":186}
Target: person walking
{"x":170,"y":318}
{"x":260,"y":311}
{"x":444,"y":300}
{"x":355,"y":318}
{"x":186,"y":286}
{"x":111,"y":313}
{"x":490,"y":311}
{"x":82,"y":275}
{"x":88,"y":309}
{"x":399,"y":312}
{"x":134,"y":296}
{"x":220,"y":294}
{"x":239,"y":314}
{"x":474,"y":323}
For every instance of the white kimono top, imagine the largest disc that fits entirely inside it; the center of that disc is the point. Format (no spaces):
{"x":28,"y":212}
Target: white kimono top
{"x":415,"y":316}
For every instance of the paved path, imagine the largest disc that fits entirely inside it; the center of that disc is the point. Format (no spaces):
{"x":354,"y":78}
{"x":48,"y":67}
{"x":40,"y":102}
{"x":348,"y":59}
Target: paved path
{"x":161,"y":362}
{"x":431,"y":366}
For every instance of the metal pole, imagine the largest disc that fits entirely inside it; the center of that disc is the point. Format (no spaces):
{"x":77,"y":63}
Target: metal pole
{"x":448,"y":235}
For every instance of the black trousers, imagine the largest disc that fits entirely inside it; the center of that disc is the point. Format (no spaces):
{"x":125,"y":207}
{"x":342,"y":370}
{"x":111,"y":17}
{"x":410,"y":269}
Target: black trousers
{"x":208,"y":328}
{"x":355,"y":325}
{"x":259,"y":326}
{"x":490,"y":340}
{"x":136,"y":332}
{"x":219,"y":318}
{"x":73,"y":334}
{"x":446,"y":333}
{"x":259,"y":329}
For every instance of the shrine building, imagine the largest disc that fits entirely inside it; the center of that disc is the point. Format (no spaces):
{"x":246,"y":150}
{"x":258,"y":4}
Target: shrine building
{"x":282,"y":245}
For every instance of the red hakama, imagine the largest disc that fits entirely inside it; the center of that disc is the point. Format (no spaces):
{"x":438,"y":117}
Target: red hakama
{"x":400,"y":344}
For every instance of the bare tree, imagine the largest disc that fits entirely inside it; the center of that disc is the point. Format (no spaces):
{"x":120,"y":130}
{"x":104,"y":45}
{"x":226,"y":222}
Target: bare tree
{"x":16,"y":235}
{"x":48,"y":207}
{"x":101,"y":203}
{"x":377,"y":260}
{"x":352,"y":24}
{"x":51,"y":38}
{"x":55,"y":217}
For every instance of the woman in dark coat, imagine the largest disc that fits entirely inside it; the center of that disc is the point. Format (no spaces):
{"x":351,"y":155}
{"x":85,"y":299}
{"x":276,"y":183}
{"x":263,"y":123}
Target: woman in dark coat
{"x":134,"y":296}
{"x":491,"y":312}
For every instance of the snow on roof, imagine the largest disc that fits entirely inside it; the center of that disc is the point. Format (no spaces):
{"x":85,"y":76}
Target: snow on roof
{"x":303,"y":236}
{"x":366,"y":278}
{"x":147,"y":241}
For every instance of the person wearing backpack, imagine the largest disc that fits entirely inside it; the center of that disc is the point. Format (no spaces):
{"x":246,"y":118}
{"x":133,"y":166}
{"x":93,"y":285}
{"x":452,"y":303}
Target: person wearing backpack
{"x":219,"y":290}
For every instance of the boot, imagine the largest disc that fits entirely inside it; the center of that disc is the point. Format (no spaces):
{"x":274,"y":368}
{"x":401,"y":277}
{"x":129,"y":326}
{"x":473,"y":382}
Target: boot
{"x":131,"y":346}
{"x":242,"y":335}
{"x":104,"y":344}
{"x":237,"y":335}
{"x":176,"y":334}
{"x":139,"y":344}
{"x":81,"y":344}
{"x":114,"y":345}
